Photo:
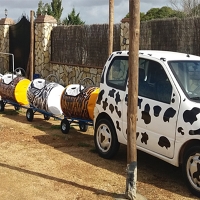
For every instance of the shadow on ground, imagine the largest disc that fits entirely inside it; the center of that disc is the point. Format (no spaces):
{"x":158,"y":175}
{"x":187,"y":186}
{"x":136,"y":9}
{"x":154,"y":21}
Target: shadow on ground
{"x":160,"y":173}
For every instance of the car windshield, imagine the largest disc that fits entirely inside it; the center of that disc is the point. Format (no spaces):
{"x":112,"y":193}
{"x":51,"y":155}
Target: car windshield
{"x":188,"y":76}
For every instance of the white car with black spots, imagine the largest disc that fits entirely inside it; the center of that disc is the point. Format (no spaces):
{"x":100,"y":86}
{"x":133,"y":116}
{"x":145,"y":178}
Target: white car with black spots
{"x":168,"y":116}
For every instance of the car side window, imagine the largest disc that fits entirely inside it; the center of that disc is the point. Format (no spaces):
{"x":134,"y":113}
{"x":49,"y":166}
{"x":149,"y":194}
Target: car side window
{"x":117,"y":73}
{"x":153,"y":81}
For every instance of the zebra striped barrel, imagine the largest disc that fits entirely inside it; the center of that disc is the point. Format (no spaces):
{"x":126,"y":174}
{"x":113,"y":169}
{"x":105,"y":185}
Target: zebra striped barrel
{"x":45,"y":96}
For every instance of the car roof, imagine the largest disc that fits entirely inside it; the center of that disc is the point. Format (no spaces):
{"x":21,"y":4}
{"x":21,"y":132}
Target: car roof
{"x":163,"y":55}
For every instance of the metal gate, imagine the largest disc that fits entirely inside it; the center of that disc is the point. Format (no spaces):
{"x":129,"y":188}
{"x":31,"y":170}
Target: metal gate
{"x":19,"y":36}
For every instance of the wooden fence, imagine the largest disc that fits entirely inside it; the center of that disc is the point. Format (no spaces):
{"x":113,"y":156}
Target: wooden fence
{"x":83,"y":45}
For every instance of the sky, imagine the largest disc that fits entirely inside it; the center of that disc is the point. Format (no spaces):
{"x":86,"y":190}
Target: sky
{"x":91,"y":11}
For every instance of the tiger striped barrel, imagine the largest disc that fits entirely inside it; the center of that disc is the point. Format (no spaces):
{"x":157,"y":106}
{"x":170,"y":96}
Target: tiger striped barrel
{"x":45,"y":96}
{"x":76,"y":106}
{"x":14,"y":88}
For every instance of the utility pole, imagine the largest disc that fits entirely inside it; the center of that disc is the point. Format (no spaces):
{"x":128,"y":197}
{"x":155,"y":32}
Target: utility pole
{"x":111,"y":23}
{"x":134,"y":35}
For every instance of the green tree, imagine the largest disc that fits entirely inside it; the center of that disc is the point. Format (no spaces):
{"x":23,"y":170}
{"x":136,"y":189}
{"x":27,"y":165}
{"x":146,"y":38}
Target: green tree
{"x":43,"y":9}
{"x":142,"y":16}
{"x":73,"y":19}
{"x":195,"y":11}
{"x":159,"y":13}
{"x":54,"y":9}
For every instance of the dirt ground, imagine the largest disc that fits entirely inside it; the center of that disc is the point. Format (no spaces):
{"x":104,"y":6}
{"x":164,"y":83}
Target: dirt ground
{"x":39,"y":162}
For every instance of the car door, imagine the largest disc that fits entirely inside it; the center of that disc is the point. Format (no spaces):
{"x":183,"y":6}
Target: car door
{"x":113,"y":92}
{"x":158,"y":104}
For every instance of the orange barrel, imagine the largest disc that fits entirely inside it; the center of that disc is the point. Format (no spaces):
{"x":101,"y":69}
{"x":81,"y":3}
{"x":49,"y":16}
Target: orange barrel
{"x":14,"y":88}
{"x":92,"y":102}
{"x":45,"y":96}
{"x":76,"y":106}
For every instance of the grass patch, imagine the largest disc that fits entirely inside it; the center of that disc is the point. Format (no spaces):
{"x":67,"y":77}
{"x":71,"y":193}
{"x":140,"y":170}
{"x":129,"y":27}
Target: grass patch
{"x":42,"y":128}
{"x":55,"y":127}
{"x":11,"y":112}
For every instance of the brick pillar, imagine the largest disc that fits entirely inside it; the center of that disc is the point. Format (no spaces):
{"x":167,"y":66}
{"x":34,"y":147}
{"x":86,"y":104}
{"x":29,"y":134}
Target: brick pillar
{"x":43,"y":26}
{"x":124,"y":37}
{"x":5,"y":23}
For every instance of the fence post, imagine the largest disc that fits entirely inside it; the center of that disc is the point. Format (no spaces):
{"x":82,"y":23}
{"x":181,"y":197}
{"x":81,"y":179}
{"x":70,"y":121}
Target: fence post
{"x":111,"y":23}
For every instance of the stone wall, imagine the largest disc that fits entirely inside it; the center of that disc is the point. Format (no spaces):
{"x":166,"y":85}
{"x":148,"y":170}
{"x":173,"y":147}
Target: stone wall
{"x":74,"y":74}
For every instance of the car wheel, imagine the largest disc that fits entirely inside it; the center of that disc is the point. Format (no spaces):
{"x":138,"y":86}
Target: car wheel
{"x":65,"y":126}
{"x":46,"y":117}
{"x":2,"y":105}
{"x":191,"y":169}
{"x":29,"y":115}
{"x":105,"y":139}
{"x":83,"y":126}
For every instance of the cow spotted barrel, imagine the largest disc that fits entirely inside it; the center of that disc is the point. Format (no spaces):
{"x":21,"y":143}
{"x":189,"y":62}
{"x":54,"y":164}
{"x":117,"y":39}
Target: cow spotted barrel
{"x":13,"y":88}
{"x":44,"y":96}
{"x":77,"y":103}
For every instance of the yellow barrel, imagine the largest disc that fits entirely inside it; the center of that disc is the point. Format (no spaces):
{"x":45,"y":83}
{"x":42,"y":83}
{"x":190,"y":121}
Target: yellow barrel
{"x":20,"y":91}
{"x":92,"y":102}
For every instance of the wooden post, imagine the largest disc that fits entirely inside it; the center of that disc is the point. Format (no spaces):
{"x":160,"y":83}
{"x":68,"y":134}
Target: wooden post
{"x":134,"y":34}
{"x":111,"y":23}
{"x":31,"y":57}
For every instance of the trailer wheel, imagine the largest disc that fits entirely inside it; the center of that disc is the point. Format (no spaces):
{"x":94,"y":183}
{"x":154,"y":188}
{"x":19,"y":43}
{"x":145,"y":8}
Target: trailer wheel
{"x":17,"y":107}
{"x":46,"y":117}
{"x":29,"y":115}
{"x":2,"y":105}
{"x":83,"y":126}
{"x":65,"y":126}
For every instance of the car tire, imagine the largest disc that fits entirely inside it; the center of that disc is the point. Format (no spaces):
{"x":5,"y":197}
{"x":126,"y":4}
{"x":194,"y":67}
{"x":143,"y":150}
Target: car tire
{"x":105,"y":139}
{"x":29,"y":114}
{"x":83,"y":126}
{"x":65,"y":126}
{"x":2,"y":105}
{"x":191,"y":169}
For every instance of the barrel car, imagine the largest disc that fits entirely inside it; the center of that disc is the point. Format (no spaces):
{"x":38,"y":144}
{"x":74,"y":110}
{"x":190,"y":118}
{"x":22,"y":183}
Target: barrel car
{"x":77,"y":104}
{"x":13,"y":87}
{"x":44,"y":97}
